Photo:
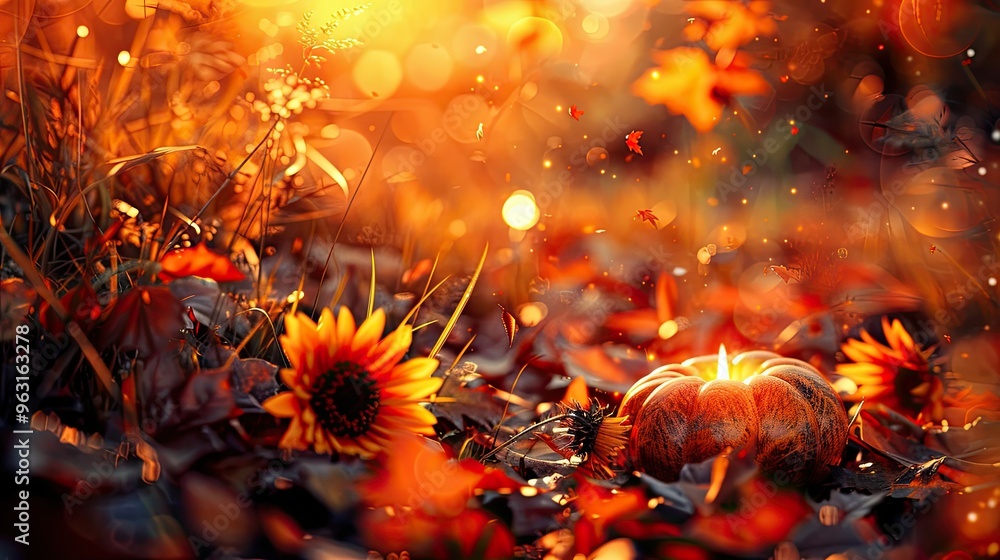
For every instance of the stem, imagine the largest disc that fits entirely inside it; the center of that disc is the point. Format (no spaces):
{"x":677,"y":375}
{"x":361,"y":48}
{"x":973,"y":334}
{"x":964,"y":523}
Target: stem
{"x":518,"y":435}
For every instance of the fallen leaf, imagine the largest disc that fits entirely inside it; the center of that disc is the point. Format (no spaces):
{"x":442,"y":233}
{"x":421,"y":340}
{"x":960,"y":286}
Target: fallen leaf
{"x":198,"y":261}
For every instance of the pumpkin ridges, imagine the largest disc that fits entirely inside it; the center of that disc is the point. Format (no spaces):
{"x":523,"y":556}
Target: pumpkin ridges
{"x":636,"y":396}
{"x":724,"y":416}
{"x":656,"y":443}
{"x":786,"y":409}
{"x":786,"y":425}
{"x":827,"y":408}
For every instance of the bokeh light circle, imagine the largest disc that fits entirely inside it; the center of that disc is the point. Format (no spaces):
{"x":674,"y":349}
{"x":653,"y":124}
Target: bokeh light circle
{"x":520,"y":211}
{"x":377,"y":73}
{"x":428,"y":67}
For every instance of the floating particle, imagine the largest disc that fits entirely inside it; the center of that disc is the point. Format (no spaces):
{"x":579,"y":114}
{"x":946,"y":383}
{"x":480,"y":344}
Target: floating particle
{"x":842,"y":252}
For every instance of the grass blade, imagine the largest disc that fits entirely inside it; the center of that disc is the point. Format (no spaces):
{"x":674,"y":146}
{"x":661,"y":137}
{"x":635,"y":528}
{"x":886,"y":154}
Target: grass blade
{"x":461,"y":305}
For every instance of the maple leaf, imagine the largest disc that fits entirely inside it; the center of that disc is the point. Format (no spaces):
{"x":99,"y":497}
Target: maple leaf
{"x":729,"y":25}
{"x":632,"y":141}
{"x":646,"y":216}
{"x":689,"y":84}
{"x":574,"y":112}
{"x":198,"y":261}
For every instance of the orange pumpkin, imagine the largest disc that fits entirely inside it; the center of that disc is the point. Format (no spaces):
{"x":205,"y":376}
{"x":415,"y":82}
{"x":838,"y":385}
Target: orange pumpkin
{"x":681,"y":413}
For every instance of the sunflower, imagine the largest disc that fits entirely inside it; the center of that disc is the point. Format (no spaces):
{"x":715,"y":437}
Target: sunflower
{"x":350,"y":393}
{"x":898,"y":375}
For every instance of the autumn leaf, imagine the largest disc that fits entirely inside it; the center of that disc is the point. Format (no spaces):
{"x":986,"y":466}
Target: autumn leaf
{"x":466,"y":395}
{"x":723,"y":24}
{"x":144,"y":319}
{"x":646,"y":216}
{"x":198,"y":261}
{"x":509,"y":325}
{"x":444,"y":484}
{"x":82,"y":305}
{"x":632,"y":141}
{"x":574,"y":112}
{"x":689,"y":84}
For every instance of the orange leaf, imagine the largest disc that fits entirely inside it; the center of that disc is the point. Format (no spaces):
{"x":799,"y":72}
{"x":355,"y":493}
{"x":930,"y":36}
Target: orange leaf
{"x":198,"y":261}
{"x":689,"y":84}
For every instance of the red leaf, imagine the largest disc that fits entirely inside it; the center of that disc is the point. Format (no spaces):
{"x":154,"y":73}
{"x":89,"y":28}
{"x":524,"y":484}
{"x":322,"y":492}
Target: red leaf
{"x":80,"y":304}
{"x":574,"y":112}
{"x":144,"y":319}
{"x":632,"y":141}
{"x":198,"y":261}
{"x":646,"y":215}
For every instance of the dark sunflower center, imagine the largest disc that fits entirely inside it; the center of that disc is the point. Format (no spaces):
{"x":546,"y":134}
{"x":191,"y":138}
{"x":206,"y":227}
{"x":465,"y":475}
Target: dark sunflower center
{"x":345,"y":400}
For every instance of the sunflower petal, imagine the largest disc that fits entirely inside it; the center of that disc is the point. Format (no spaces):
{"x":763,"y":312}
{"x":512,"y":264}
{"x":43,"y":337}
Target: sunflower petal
{"x":368,"y":333}
{"x":412,"y":411}
{"x":327,"y":331}
{"x":289,"y":376}
{"x":282,"y":405}
{"x":412,"y":369}
{"x":345,"y":329}
{"x":416,"y":389}
{"x":390,"y":350}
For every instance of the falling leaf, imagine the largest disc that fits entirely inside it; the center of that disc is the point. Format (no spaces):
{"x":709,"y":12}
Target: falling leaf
{"x":574,"y":112}
{"x":689,"y":84}
{"x":646,"y":215}
{"x":509,"y":325}
{"x":198,"y":261}
{"x":632,"y":141}
{"x":479,"y":132}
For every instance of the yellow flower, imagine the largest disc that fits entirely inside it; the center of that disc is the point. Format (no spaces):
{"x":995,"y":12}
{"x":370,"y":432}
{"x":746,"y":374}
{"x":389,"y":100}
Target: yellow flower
{"x":898,"y":375}
{"x":350,"y":393}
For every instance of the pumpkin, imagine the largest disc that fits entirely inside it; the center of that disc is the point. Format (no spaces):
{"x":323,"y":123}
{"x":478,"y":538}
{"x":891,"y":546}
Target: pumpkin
{"x":782,"y":407}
